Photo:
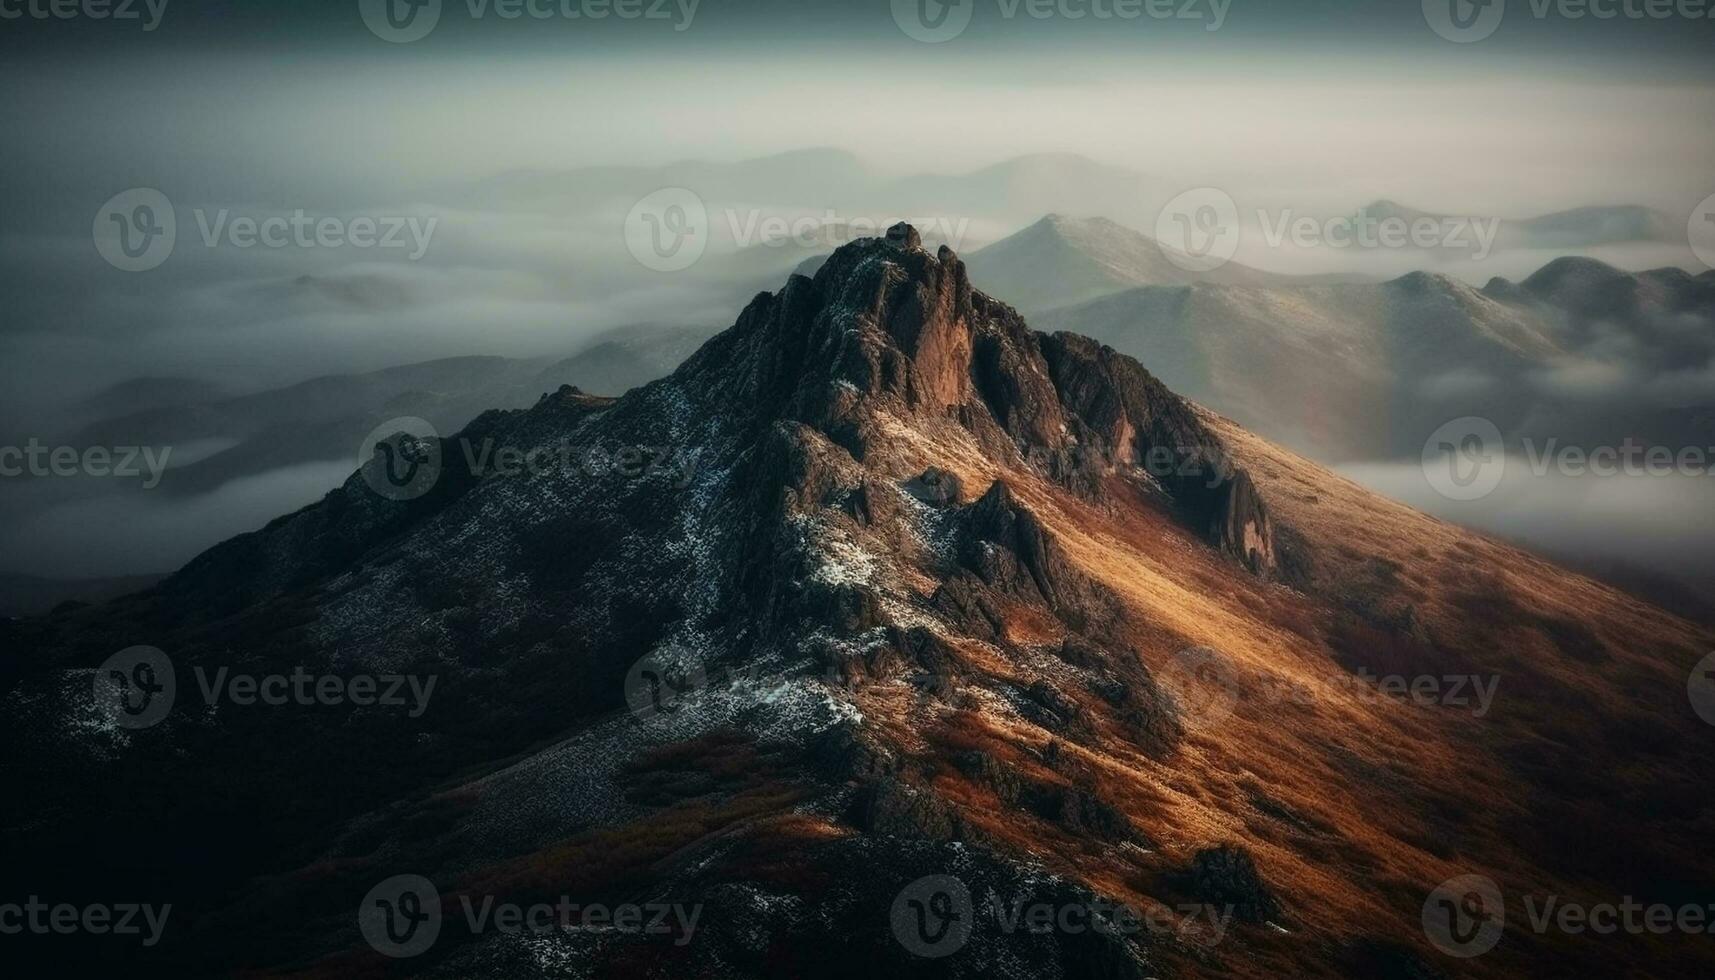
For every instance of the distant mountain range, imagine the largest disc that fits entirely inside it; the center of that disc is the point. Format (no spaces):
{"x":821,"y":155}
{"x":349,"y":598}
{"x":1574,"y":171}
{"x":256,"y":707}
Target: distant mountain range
{"x":818,"y":180}
{"x":327,"y":418}
{"x":1365,"y":371}
{"x":1343,"y":371}
{"x":1575,"y":228}
{"x":217,"y":438}
{"x":1061,"y":260}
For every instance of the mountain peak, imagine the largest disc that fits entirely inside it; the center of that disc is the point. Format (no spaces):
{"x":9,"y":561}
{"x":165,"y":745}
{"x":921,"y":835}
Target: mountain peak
{"x":1066,"y":223}
{"x":1571,"y":270}
{"x":888,"y":338}
{"x":905,"y":235}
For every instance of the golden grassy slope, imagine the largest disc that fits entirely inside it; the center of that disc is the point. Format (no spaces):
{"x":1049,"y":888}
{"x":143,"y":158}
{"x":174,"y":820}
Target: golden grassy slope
{"x":1583,"y":780}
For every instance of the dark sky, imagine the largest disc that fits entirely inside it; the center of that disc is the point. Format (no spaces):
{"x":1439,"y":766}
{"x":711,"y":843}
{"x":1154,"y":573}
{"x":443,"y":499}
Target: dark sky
{"x":319,"y":27}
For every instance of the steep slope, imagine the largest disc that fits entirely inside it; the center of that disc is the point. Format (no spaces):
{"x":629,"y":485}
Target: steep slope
{"x":1061,"y":260}
{"x":923,"y":592}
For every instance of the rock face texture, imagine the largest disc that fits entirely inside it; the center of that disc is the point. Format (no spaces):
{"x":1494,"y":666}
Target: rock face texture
{"x":885,"y":330}
{"x":839,"y":494}
{"x":872,"y":609}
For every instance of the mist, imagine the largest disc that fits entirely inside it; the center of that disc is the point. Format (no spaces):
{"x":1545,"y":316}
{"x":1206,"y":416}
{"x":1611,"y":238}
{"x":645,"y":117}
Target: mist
{"x":1658,"y":525}
{"x":515,"y":151}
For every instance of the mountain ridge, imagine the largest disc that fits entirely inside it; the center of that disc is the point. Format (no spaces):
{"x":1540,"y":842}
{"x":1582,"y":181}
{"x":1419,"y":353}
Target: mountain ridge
{"x":937,"y":595}
{"x":1367,"y":370}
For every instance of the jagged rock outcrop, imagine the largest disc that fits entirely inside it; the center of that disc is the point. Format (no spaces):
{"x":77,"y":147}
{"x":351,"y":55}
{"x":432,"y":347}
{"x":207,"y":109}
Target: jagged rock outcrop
{"x":1226,"y":875}
{"x":887,"y":330}
{"x":865,"y":470}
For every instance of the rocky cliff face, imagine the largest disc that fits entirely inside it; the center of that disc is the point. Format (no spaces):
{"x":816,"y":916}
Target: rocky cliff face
{"x":883,"y":605}
{"x":886,"y":331}
{"x":860,"y":543}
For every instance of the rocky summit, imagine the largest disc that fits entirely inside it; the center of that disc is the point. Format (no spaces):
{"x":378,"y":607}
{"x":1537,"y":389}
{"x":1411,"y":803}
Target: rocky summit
{"x":882,"y":629}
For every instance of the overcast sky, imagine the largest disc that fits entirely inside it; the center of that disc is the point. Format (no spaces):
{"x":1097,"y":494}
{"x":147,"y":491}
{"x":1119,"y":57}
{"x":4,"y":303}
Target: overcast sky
{"x":268,"y":107}
{"x":271,"y":106}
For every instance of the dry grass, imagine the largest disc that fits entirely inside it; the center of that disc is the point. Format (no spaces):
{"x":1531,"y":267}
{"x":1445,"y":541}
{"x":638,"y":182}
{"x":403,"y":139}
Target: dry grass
{"x":1388,"y":798}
